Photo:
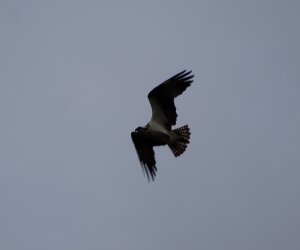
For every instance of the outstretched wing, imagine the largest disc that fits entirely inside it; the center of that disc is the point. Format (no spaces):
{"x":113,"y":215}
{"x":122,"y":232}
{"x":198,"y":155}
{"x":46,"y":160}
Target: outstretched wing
{"x":146,"y":154}
{"x":162,"y":98}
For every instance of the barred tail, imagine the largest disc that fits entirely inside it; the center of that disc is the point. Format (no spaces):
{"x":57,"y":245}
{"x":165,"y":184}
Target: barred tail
{"x":184,"y":136}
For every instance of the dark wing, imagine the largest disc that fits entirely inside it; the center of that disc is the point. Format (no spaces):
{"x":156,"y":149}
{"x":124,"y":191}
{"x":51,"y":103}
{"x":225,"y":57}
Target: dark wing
{"x":162,"y":98}
{"x":146,"y":154}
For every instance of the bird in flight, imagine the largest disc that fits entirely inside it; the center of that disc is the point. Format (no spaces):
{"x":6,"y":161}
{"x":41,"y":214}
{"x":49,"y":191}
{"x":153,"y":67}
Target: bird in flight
{"x":159,"y":130}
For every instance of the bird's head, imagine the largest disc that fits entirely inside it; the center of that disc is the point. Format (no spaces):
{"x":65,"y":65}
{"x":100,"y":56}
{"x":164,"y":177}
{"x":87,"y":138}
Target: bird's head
{"x":140,"y":129}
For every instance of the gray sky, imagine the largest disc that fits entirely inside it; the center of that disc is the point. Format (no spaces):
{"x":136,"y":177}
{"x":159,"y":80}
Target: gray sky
{"x":74,"y":77}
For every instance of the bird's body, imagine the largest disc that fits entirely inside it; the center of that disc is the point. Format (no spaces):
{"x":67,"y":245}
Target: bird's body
{"x":159,"y":131}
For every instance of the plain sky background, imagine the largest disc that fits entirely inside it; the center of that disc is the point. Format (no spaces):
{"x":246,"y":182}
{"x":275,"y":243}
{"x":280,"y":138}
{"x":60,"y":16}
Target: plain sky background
{"x":74,"y":79}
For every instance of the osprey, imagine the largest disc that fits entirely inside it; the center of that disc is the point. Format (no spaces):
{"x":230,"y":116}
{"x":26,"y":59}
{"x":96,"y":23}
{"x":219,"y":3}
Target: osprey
{"x":159,"y":131}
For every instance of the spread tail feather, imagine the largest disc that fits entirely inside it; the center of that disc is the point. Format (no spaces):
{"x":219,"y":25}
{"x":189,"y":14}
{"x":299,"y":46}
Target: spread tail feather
{"x":184,"y":136}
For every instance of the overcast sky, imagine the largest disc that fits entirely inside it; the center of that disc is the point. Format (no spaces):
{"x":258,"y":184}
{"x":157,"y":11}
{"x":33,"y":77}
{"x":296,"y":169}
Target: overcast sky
{"x":74,"y":79}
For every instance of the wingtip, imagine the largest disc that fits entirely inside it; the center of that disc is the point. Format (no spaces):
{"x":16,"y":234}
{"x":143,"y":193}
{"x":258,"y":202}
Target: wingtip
{"x":183,"y":74}
{"x":148,"y":173}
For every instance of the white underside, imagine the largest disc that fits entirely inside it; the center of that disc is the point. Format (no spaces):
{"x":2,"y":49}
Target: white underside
{"x":158,"y":127}
{"x":155,"y":126}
